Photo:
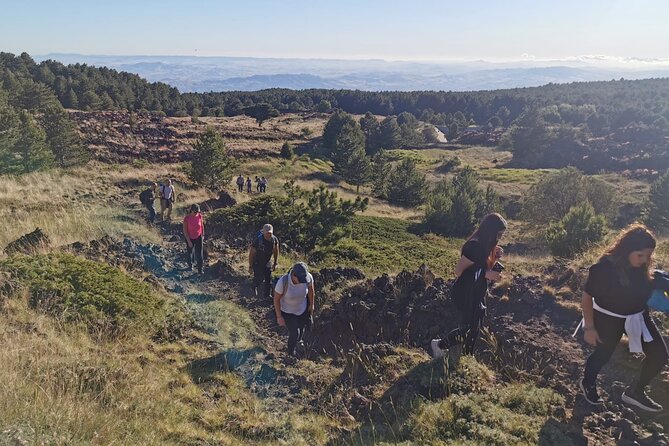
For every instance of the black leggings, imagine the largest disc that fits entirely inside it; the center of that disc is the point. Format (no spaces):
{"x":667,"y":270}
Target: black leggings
{"x":468,"y":333}
{"x":296,"y":325}
{"x":195,"y":253}
{"x":610,"y":330}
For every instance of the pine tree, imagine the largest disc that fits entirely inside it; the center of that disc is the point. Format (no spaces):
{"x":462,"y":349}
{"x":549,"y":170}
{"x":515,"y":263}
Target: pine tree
{"x":62,"y":138}
{"x":261,"y":112}
{"x":370,"y":127}
{"x":26,"y":150}
{"x":211,"y":166}
{"x":358,"y":168}
{"x":406,"y":185}
{"x":389,"y":133}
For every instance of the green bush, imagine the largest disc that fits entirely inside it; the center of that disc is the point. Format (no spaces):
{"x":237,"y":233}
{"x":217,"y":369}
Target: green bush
{"x":552,"y":197}
{"x":286,"y":151}
{"x":302,"y":219}
{"x":576,"y":231}
{"x":454,"y":208}
{"x":103,"y":298}
{"x":514,"y":414}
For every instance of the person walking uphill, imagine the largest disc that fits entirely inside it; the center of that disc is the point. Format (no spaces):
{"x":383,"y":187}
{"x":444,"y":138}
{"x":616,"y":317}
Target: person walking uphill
{"x":193,"y":228}
{"x":167,"y":198}
{"x":147,"y":197}
{"x":264,"y":246}
{"x":614,"y":302}
{"x":240,"y":183}
{"x":477,"y":266}
{"x":249,"y":184}
{"x":294,"y":303}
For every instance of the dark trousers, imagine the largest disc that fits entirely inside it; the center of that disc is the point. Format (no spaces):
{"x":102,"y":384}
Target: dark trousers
{"x":296,"y":325}
{"x":248,"y":188}
{"x":152,"y":211}
{"x":196,"y":253}
{"x":263,"y":188}
{"x":610,"y":330}
{"x":262,"y":280}
{"x":240,"y":187}
{"x":468,"y":333}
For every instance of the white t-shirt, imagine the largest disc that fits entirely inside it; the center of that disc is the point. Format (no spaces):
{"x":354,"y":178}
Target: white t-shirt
{"x":294,"y":299}
{"x":167,"y":191}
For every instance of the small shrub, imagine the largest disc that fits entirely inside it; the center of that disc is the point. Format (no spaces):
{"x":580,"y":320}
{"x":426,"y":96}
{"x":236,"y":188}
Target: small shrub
{"x":286,"y":151}
{"x":306,"y":132}
{"x":103,"y":298}
{"x":449,"y":165}
{"x":574,"y":233}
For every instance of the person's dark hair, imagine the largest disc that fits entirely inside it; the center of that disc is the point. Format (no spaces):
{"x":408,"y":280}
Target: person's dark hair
{"x":195,"y":207}
{"x":635,"y":237}
{"x":486,"y":233}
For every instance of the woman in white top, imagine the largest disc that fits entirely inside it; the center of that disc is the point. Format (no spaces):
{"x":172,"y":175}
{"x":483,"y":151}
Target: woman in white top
{"x":294,"y":303}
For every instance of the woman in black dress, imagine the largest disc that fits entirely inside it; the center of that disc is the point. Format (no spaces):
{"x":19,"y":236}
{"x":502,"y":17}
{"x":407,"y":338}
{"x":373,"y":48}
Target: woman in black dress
{"x":474,"y":270}
{"x":614,"y":302}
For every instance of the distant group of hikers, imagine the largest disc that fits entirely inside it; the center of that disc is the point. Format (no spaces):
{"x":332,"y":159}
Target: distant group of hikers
{"x":261,"y":184}
{"x":614,"y":300}
{"x":166,"y":193}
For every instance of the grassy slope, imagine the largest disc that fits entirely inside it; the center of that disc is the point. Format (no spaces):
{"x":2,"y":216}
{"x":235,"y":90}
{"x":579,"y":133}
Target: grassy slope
{"x":61,"y":386}
{"x":383,"y":244}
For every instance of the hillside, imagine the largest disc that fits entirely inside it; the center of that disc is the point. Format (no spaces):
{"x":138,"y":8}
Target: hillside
{"x":219,"y":374}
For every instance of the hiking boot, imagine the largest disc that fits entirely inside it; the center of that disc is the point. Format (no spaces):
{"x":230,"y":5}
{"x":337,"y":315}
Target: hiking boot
{"x":437,"y":352}
{"x":639,"y":399}
{"x":590,"y":393}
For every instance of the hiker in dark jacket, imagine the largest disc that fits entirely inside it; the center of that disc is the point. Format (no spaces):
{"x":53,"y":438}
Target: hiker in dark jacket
{"x":240,"y":183}
{"x":477,"y":266}
{"x":263,"y":247}
{"x":147,"y":197}
{"x":614,"y":302}
{"x":249,"y":184}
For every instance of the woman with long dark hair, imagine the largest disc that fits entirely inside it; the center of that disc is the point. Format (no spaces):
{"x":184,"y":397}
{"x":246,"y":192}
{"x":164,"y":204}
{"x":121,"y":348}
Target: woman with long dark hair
{"x":614,"y":302}
{"x":475,"y":269}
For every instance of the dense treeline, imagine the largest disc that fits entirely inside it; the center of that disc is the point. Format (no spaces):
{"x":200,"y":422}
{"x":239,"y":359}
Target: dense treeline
{"x":592,"y":125}
{"x":617,"y":103}
{"x":35,"y":131}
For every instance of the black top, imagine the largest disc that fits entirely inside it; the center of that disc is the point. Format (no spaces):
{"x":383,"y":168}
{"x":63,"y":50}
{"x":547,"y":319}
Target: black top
{"x":264,"y":249}
{"x":476,"y":252}
{"x":605,"y":286}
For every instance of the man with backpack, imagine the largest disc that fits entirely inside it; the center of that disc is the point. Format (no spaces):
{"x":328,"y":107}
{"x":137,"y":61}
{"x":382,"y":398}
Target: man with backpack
{"x":263,"y":247}
{"x":167,"y":198}
{"x":147,"y":198}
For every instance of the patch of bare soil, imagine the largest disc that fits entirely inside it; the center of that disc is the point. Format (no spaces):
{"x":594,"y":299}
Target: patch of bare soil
{"x":119,"y":137}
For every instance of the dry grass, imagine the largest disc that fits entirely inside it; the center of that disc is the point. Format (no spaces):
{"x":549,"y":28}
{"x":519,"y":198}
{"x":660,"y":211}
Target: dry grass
{"x":61,"y":387}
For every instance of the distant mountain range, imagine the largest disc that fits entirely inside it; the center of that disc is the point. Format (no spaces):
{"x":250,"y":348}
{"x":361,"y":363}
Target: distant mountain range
{"x":202,"y":74}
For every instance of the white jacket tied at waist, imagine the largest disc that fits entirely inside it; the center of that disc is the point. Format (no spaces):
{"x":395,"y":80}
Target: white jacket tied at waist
{"x":635,"y":327}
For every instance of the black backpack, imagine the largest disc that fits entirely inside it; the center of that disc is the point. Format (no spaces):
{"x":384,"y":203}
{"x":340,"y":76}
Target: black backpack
{"x":145,"y":196}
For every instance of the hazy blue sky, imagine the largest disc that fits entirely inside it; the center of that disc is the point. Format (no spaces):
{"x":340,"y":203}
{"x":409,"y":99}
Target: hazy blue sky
{"x":389,"y":29}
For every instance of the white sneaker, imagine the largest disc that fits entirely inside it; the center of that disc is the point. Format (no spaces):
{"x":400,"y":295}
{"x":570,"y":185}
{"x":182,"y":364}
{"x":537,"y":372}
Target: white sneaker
{"x":437,"y":352}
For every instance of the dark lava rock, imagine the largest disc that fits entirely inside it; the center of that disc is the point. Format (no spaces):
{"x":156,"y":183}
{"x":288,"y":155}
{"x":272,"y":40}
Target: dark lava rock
{"x":29,"y":243}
